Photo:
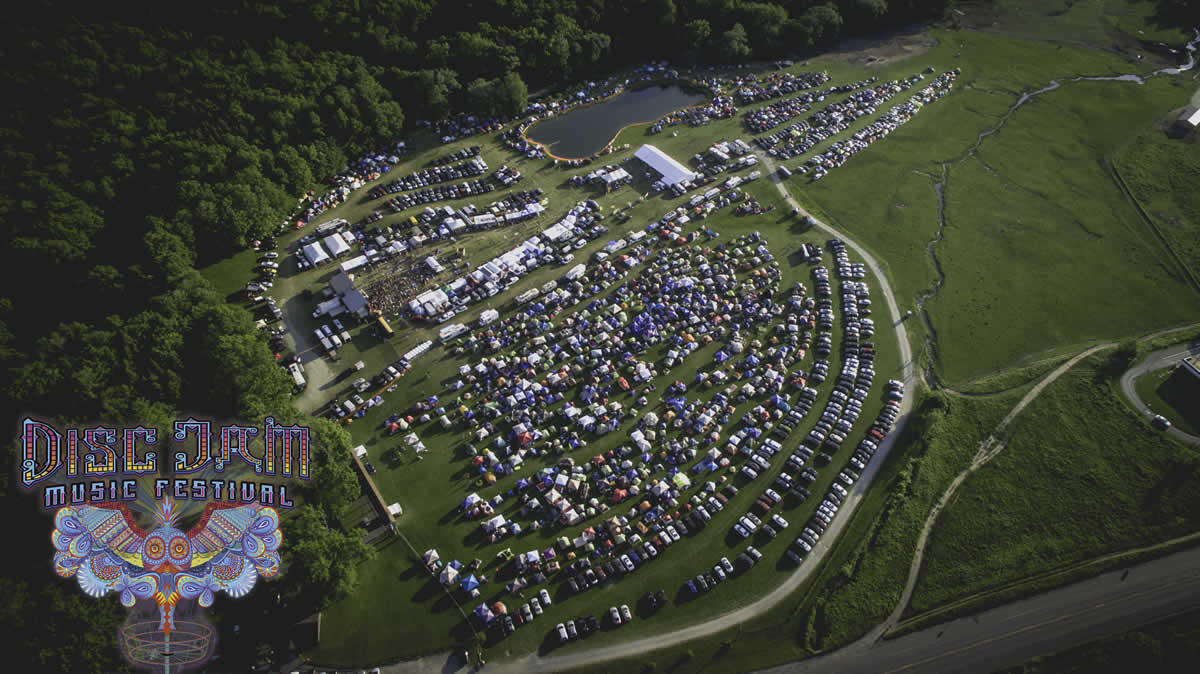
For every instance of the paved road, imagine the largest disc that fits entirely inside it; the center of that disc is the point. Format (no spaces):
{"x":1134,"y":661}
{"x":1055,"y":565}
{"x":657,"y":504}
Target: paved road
{"x":1156,"y":361}
{"x":1046,"y":623}
{"x":576,"y":658}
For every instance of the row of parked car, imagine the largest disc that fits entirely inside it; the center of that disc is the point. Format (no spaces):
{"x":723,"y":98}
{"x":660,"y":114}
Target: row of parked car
{"x":431,"y":176}
{"x":431,"y":195}
{"x":525,"y":614}
{"x":839,"y":490}
{"x":460,"y":155}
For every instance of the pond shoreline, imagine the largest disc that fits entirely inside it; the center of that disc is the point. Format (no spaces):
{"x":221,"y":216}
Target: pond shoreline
{"x":689,"y":86}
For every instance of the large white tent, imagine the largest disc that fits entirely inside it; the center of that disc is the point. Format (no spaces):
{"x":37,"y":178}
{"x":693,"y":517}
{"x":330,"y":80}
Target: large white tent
{"x":671,"y":171}
{"x":354,"y":263}
{"x":336,"y":245}
{"x":315,"y":253}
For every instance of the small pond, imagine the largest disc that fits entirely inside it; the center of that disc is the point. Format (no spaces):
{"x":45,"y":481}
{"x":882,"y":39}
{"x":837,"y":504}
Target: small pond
{"x":587,"y":130}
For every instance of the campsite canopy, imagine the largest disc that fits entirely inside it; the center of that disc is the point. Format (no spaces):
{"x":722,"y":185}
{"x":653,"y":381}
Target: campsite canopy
{"x":470,"y":583}
{"x":336,"y":245}
{"x":672,"y":172}
{"x":449,"y":575}
{"x":315,"y":253}
{"x":354,"y":263}
{"x":484,"y":613}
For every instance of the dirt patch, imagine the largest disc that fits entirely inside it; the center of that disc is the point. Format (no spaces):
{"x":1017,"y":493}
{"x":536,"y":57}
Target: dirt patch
{"x":881,"y":49}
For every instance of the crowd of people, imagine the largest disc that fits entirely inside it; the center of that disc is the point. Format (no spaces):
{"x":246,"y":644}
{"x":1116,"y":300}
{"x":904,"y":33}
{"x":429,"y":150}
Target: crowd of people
{"x":390,"y":294}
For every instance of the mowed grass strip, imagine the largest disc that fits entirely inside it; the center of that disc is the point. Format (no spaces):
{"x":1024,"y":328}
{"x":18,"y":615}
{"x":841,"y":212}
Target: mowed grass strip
{"x":1081,"y":476}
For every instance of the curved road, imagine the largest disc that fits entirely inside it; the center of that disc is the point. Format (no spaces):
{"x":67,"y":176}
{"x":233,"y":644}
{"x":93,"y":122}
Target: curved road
{"x":988,"y":449}
{"x":577,"y":658}
{"x":1156,"y":361}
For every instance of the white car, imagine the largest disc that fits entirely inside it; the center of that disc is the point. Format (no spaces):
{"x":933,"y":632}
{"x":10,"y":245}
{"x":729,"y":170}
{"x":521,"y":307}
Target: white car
{"x":338,"y":325}
{"x":562,"y":633}
{"x":614,"y":615}
{"x":673,"y":534}
{"x":625,"y":614}
{"x":545,"y":597}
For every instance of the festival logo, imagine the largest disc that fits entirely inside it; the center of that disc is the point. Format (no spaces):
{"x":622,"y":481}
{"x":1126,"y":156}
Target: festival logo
{"x":164,"y":571}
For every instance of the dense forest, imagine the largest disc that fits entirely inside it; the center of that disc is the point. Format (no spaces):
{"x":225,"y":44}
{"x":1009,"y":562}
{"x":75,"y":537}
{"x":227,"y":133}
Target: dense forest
{"x":141,"y":140}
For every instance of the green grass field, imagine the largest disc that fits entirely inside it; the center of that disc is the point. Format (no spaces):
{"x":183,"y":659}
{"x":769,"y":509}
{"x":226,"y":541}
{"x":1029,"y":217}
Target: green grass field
{"x":1168,"y":196}
{"x":1031,"y":210}
{"x":1080,"y":476}
{"x":1073,"y":21}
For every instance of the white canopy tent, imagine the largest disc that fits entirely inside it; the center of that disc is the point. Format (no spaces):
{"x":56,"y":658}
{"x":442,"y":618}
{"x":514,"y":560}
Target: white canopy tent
{"x":336,"y":245}
{"x":671,"y":171}
{"x":354,"y":263}
{"x":315,"y":253}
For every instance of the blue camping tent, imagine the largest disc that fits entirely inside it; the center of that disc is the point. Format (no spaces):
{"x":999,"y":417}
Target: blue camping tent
{"x":470,"y":583}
